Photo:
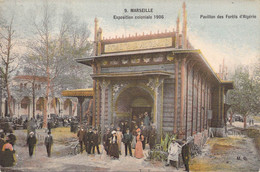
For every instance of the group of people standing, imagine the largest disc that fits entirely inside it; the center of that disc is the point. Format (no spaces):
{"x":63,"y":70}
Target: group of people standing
{"x":114,"y":138}
{"x":89,"y":139}
{"x":112,"y":142}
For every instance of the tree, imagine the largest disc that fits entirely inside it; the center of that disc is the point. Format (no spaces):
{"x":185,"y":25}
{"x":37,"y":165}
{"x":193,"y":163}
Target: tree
{"x":8,"y":57}
{"x":53,"y":53}
{"x":244,"y":98}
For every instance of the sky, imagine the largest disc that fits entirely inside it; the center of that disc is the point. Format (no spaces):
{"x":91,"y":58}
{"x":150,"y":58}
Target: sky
{"x":237,"y":40}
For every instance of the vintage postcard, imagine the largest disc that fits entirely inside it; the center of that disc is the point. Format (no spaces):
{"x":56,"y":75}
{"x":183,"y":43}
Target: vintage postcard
{"x":129,"y":85}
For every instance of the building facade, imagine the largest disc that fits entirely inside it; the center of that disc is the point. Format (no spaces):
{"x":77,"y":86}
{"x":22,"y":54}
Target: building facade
{"x":28,"y":99}
{"x":160,"y":74}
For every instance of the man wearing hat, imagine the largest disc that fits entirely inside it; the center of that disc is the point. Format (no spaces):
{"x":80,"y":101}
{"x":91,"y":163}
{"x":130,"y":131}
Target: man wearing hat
{"x":174,"y":151}
{"x":94,"y":141}
{"x":31,"y":142}
{"x":80,"y":136}
{"x":127,"y":139}
{"x":48,"y":143}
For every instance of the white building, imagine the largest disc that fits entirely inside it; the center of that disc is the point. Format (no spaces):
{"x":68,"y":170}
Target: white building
{"x":28,"y":99}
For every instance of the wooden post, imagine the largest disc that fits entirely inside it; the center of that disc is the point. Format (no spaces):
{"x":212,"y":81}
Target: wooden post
{"x":201,"y":85}
{"x":81,"y":100}
{"x":197,"y":112}
{"x":176,"y":96}
{"x":94,"y":98}
{"x":192,"y":97}
{"x":182,"y":95}
{"x":104,"y":84}
{"x":187,"y":101}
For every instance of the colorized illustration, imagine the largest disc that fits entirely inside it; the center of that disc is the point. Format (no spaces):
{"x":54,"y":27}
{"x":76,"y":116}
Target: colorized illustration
{"x":129,"y":85}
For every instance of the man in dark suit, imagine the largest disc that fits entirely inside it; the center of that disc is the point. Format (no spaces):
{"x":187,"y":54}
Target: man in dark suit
{"x":185,"y":151}
{"x":86,"y":140}
{"x":94,"y":141}
{"x":152,"y":137}
{"x":31,"y":142}
{"x":127,"y":139}
{"x":48,"y":143}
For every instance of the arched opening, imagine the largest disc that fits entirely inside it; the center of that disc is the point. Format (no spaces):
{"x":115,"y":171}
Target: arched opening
{"x":39,"y":106}
{"x":67,"y":107}
{"x":131,"y":105}
{"x":55,"y":106}
{"x":25,"y":106}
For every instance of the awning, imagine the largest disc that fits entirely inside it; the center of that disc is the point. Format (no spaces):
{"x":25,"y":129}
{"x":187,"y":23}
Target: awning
{"x":228,"y":84}
{"x":78,"y":93}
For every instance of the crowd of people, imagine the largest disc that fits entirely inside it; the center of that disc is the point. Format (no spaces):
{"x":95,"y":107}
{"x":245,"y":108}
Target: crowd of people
{"x":134,"y":136}
{"x":125,"y":136}
{"x":8,"y":140}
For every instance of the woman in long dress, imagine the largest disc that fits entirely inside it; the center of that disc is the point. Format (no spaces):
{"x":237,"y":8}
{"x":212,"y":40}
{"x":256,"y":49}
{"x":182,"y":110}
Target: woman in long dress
{"x":139,"y":146}
{"x":119,"y":139}
{"x":114,"y":153}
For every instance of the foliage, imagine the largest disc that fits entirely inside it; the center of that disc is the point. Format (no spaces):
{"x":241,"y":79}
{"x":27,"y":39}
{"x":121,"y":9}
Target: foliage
{"x":245,"y":97}
{"x":160,"y":152}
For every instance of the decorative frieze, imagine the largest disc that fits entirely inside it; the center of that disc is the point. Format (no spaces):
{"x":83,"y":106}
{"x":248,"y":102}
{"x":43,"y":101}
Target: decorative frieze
{"x":135,"y":60}
{"x":114,"y":62}
{"x":125,"y":61}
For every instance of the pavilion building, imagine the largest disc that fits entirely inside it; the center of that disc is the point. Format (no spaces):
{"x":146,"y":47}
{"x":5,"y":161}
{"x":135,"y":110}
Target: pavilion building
{"x":161,"y":74}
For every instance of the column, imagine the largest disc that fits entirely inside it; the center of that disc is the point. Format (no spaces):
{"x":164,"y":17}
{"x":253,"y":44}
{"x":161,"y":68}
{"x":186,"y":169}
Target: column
{"x":182,"y":95}
{"x":104,"y":84}
{"x":157,"y":117}
{"x":176,"y":96}
{"x":30,"y":111}
{"x":80,"y":100}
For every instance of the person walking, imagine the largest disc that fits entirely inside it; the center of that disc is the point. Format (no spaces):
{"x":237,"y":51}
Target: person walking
{"x":127,"y":139}
{"x":139,"y":146}
{"x":31,"y":142}
{"x":48,"y":143}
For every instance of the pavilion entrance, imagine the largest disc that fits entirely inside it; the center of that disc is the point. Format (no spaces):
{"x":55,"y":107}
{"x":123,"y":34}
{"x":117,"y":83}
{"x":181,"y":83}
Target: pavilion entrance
{"x":131,"y":104}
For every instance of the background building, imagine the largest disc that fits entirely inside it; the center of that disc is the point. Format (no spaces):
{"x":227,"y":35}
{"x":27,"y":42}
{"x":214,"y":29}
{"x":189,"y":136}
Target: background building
{"x":28,"y":98}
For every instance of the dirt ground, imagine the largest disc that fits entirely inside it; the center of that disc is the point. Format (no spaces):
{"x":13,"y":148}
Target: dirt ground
{"x":236,"y":152}
{"x":233,"y":153}
{"x":62,"y":160}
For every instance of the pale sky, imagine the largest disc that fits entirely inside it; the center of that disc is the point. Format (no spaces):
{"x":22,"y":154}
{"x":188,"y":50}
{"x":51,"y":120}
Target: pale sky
{"x":235,"y":39}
